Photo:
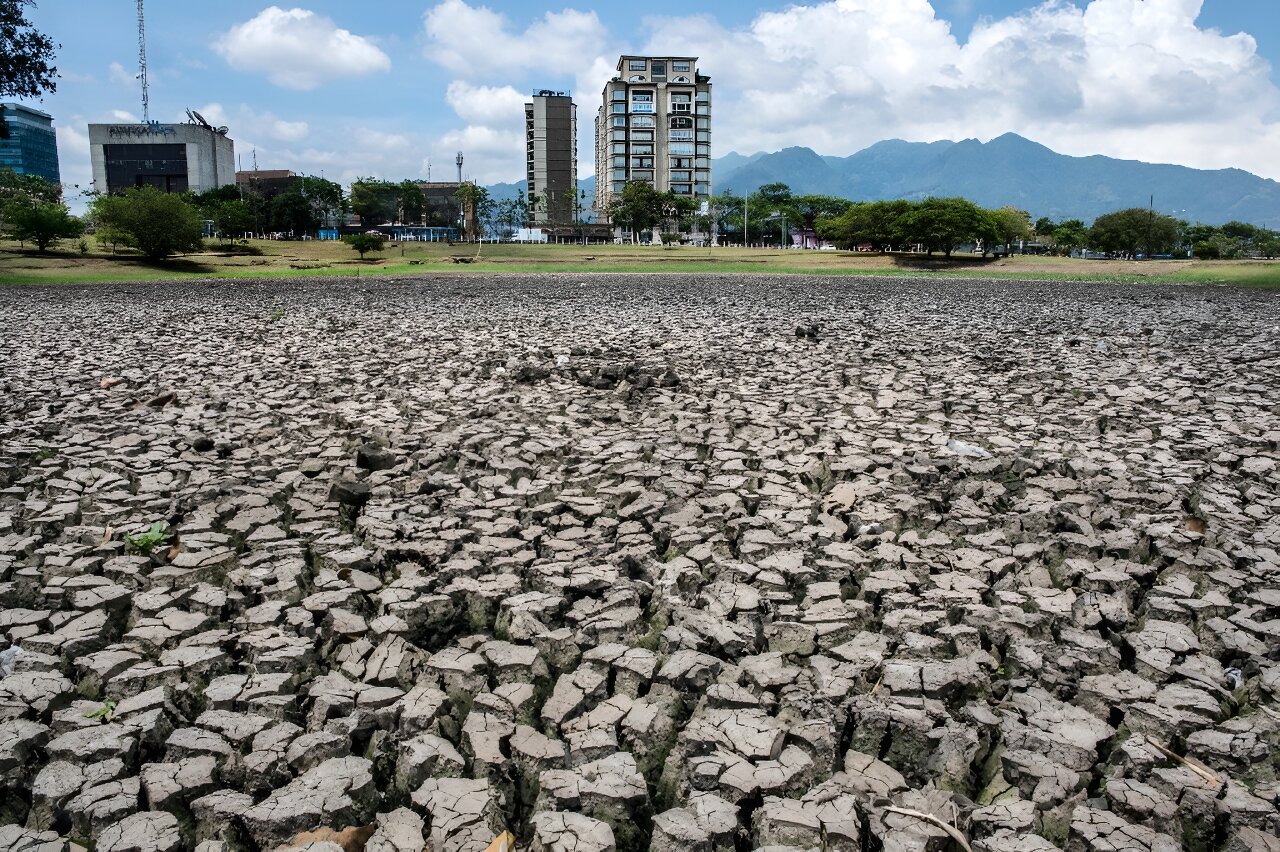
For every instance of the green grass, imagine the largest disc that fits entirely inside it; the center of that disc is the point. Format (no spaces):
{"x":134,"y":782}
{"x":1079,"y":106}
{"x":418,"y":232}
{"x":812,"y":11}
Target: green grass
{"x":273,"y":259}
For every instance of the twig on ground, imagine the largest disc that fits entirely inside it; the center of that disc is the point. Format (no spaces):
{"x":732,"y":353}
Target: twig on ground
{"x":954,"y":832}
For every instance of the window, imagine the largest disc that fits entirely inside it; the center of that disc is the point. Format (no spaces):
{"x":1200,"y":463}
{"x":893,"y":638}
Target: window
{"x":618,"y":135}
{"x":619,"y":162}
{"x":642,"y":162}
{"x":642,"y":149}
{"x":682,"y":176}
{"x":682,"y":107}
{"x":704,"y":109}
{"x":659,"y":69}
{"x":681,"y":189}
{"x":619,"y":94}
{"x":704,"y":135}
{"x":635,"y":65}
{"x":680,"y":148}
{"x":680,"y":66}
{"x":642,"y":136}
{"x":643,"y":121}
{"x":681,"y":122}
{"x":704,"y":177}
{"x":641,"y":106}
{"x":704,"y":150}
{"x":619,"y":108}
{"x":619,"y":185}
{"x":636,"y":78}
{"x":642,"y":96}
{"x":681,"y":80}
{"x":680,"y":98}
{"x":618,"y":148}
{"x":704,"y":124}
{"x":646,"y":176}
{"x":682,"y":162}
{"x":681,"y":136}
{"x":619,"y":121}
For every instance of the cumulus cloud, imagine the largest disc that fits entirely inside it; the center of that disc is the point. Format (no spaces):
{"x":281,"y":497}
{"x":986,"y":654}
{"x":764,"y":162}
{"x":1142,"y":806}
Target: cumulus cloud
{"x":1126,"y":78}
{"x":298,"y":49}
{"x":246,"y":122}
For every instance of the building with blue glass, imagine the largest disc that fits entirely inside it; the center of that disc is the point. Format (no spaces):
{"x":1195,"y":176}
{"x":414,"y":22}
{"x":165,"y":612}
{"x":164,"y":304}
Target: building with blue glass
{"x":32,"y":145}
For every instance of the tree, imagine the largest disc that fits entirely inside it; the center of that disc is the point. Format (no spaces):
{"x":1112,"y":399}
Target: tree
{"x":25,"y":57}
{"x":807,"y":209}
{"x":878,"y":224}
{"x":726,"y":211}
{"x":940,"y":224}
{"x":156,"y":223}
{"x":1009,"y":225}
{"x":638,"y":207}
{"x":1044,"y":227}
{"x":1069,"y":236}
{"x":27,"y":188}
{"x":413,"y":204}
{"x":1137,"y":230}
{"x":43,"y":223}
{"x":365,"y":242}
{"x":375,"y":201}
{"x":476,"y":204}
{"x":231,"y":218}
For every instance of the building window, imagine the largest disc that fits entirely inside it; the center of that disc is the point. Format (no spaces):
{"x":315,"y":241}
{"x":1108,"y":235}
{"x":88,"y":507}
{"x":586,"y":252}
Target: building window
{"x":619,"y":108}
{"x":647,"y":97}
{"x":619,"y":94}
{"x":681,"y":136}
{"x":644,"y":176}
{"x":641,"y":149}
{"x":704,"y":177}
{"x":618,"y":136}
{"x":642,"y":162}
{"x":681,"y":80}
{"x":635,"y":65}
{"x":704,"y":150}
{"x":680,"y":66}
{"x":619,"y":185}
{"x":704,"y":135}
{"x":704,"y":124}
{"x":643,"y":121}
{"x":681,"y":122}
{"x":680,"y":148}
{"x":704,"y":109}
{"x":682,"y":162}
{"x":659,"y":69}
{"x":636,"y":78}
{"x":619,"y":174}
{"x":680,"y":98}
{"x":619,"y":121}
{"x":640,"y":106}
{"x":642,"y":136}
{"x":682,"y":176}
{"x":620,"y":162}
{"x":681,"y":189}
{"x":619,"y":148}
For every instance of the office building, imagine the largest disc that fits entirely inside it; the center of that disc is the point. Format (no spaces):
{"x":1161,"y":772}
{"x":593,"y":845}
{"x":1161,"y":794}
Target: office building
{"x":265,"y":182}
{"x":654,"y":125}
{"x":171,"y":157}
{"x":551,"y":134}
{"x":32,"y":146}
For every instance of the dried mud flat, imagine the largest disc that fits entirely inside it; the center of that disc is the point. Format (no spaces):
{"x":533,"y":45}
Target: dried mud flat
{"x":639,"y":563}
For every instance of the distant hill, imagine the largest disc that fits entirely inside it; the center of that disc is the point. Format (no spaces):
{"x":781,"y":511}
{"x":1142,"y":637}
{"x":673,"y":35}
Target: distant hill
{"x":1010,"y":170}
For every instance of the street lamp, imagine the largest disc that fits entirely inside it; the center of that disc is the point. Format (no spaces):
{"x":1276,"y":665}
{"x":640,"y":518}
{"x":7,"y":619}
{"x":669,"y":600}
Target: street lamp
{"x":462,"y":204}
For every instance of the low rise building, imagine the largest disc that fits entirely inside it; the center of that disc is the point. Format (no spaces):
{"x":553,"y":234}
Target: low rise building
{"x":170,"y":157}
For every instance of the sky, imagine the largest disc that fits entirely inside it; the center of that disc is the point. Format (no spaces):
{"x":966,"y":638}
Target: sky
{"x":396,"y":88}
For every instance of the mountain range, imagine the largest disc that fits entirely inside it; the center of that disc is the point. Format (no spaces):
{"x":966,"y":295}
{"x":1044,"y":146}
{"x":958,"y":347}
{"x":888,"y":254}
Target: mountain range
{"x":1008,"y":170}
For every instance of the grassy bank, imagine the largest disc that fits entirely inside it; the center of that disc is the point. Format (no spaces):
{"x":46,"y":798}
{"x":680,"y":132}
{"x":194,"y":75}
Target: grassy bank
{"x":318,"y":259}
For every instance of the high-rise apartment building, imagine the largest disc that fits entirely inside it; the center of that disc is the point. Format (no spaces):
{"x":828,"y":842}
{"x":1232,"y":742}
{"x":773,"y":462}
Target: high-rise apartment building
{"x":551,"y":134}
{"x":32,"y":146}
{"x":654,"y":126}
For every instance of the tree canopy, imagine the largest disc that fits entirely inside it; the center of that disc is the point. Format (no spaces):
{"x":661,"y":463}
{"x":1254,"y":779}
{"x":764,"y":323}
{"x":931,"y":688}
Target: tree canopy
{"x":26,"y":56}
{"x":1137,"y":230}
{"x":43,"y":223}
{"x":157,"y":224}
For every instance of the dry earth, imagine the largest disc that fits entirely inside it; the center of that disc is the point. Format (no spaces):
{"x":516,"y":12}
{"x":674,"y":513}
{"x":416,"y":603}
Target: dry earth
{"x":668,"y":564}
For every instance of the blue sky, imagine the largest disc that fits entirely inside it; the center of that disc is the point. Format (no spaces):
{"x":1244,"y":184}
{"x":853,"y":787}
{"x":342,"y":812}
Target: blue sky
{"x":386,"y":89}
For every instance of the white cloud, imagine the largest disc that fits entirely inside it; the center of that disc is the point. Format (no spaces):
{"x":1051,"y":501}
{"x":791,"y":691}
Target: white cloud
{"x":476,"y":41}
{"x":123,"y":116}
{"x":489,"y":105}
{"x":118,"y":75}
{"x":1126,"y":78}
{"x":298,"y":49}
{"x":246,"y":122}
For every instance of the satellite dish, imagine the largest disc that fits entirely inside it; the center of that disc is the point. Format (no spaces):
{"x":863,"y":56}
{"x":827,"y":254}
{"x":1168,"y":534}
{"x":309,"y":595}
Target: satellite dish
{"x":200,"y":118}
{"x":191,"y":117}
{"x":223,"y":130}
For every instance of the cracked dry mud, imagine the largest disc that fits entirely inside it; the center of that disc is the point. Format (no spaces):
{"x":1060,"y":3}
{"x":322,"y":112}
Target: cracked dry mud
{"x":639,"y":563}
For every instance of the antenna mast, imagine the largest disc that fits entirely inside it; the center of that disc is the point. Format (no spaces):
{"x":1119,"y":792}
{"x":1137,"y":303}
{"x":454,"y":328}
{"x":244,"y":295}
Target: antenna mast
{"x":142,"y":63}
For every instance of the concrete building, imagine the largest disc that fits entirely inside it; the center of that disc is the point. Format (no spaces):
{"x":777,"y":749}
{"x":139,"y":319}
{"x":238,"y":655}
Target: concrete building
{"x":265,"y":182}
{"x":654,"y":125}
{"x":170,"y":157}
{"x":551,"y":133}
{"x":32,"y":146}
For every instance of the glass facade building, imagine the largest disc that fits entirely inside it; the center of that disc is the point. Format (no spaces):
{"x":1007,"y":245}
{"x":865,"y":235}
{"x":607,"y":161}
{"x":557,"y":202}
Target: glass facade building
{"x":32,"y":146}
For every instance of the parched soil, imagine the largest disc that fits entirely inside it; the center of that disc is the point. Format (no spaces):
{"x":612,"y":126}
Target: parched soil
{"x":639,"y":563}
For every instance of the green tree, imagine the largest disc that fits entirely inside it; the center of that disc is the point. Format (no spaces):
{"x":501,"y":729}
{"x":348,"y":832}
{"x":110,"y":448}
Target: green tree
{"x":291,"y":211}
{"x":805,"y":210}
{"x":25,"y":57}
{"x":1044,"y":227}
{"x":43,"y":223}
{"x":476,"y":207}
{"x":1069,"y":236}
{"x":726,"y":211}
{"x":375,"y":201}
{"x":940,"y":224}
{"x":27,"y":188}
{"x":365,"y":242}
{"x":878,"y":224}
{"x":1009,"y":225}
{"x":638,"y":207}
{"x":413,"y":204}
{"x":231,"y":218}
{"x":156,"y":223}
{"x":1137,"y":230}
